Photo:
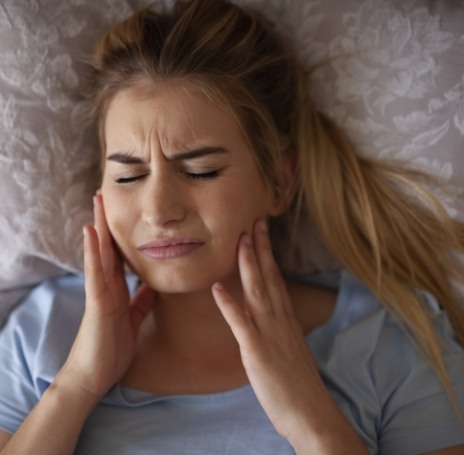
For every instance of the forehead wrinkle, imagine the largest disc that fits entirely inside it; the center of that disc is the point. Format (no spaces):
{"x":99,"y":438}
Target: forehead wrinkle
{"x":178,"y":132}
{"x":151,"y":135}
{"x":168,"y":137}
{"x":137,"y":136}
{"x":191,"y":117}
{"x":158,"y":139}
{"x":171,"y":127}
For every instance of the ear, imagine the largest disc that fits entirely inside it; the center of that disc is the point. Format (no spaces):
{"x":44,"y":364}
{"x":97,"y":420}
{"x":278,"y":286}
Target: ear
{"x":284,"y":192}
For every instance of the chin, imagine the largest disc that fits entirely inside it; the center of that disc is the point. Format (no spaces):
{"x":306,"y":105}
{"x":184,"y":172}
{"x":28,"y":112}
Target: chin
{"x":189,"y":281}
{"x":175,"y":283}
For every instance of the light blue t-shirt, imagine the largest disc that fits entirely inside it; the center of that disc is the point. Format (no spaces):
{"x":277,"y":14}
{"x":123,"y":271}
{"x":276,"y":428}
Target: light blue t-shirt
{"x":382,"y":384}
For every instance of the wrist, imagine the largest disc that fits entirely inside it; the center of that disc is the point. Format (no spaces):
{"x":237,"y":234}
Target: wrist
{"x":68,"y":390}
{"x":330,"y":439}
{"x":55,"y":423}
{"x":323,"y":429}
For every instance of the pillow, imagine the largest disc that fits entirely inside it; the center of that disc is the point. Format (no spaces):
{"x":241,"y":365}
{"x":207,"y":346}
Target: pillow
{"x":393,"y":79}
{"x":396,"y":78}
{"x":48,"y":160}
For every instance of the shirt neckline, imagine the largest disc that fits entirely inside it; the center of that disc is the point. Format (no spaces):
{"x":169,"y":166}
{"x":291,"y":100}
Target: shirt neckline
{"x":132,"y":397}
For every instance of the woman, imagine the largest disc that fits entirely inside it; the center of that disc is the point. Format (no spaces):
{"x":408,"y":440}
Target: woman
{"x":207,"y":135}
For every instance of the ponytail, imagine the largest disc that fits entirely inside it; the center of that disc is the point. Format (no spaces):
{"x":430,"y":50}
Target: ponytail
{"x":383,"y":226}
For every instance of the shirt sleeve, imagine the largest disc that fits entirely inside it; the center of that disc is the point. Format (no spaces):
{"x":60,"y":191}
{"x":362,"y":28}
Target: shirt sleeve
{"x":34,"y":344}
{"x":417,"y":413}
{"x":382,"y":381}
{"x":17,"y":392}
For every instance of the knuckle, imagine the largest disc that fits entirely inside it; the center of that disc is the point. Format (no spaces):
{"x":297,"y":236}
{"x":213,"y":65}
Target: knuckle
{"x":259,"y":291}
{"x":273,"y":276}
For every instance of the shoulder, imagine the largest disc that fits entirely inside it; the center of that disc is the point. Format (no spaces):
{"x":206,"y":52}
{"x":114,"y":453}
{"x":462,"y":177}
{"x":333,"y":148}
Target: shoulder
{"x":60,"y":298}
{"x":359,"y":317}
{"x":42,"y":328}
{"x":381,"y":379}
{"x":34,"y":343}
{"x":40,"y":331}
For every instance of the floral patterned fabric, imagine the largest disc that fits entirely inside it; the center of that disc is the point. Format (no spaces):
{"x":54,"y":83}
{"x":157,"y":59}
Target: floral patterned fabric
{"x":393,"y":78}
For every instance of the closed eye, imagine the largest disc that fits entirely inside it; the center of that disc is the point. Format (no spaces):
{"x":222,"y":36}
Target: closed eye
{"x":191,"y":175}
{"x":202,"y":175}
{"x":127,"y":180}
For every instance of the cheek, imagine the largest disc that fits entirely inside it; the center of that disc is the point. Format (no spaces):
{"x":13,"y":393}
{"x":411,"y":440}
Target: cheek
{"x":236,"y":209}
{"x":250,"y":201}
{"x":119,"y":219}
{"x":118,"y":216}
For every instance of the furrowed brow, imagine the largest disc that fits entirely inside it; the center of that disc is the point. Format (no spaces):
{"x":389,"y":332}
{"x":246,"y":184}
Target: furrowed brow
{"x":124,"y":158}
{"x":197,"y":153}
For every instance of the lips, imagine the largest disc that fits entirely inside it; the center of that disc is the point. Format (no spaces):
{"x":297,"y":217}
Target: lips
{"x":169,"y":248}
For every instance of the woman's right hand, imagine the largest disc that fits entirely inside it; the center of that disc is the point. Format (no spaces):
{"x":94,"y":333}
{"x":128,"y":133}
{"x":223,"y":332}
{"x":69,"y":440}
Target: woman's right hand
{"x":106,"y":342}
{"x":103,"y":350}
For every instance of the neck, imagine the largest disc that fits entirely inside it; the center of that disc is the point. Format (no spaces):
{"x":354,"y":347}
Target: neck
{"x":186,"y":346}
{"x":193,"y":319}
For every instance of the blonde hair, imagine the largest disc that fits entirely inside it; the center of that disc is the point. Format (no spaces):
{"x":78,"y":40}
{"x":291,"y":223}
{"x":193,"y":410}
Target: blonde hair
{"x":376,"y":218}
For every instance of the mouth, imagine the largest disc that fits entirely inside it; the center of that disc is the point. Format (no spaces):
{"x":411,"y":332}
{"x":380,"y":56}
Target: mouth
{"x":170,"y":248}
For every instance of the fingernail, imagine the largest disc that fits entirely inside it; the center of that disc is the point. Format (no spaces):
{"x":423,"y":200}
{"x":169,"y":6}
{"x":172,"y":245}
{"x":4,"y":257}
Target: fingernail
{"x":219,"y":287}
{"x":262,"y":226}
{"x":97,"y":201}
{"x":247,"y":239}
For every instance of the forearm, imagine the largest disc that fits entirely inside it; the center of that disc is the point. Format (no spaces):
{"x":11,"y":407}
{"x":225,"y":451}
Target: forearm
{"x":54,"y":425}
{"x":324,"y":430}
{"x":332,"y":440}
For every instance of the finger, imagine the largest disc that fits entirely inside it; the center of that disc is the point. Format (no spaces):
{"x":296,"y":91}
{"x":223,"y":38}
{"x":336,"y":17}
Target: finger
{"x":235,"y":316}
{"x":95,"y":285}
{"x":110,"y":257}
{"x":270,"y":272}
{"x":254,"y":288}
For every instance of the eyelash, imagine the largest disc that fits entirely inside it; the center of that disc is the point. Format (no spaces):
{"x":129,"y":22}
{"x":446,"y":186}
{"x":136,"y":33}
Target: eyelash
{"x":202,"y":175}
{"x":128,"y":180}
{"x":194,"y":176}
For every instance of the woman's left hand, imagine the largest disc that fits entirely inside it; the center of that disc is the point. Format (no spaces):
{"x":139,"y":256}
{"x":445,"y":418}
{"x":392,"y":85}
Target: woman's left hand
{"x":277,"y":360}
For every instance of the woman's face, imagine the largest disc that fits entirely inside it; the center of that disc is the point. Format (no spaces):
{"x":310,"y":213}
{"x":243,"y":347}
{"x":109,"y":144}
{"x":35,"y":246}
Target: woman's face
{"x":180,"y":186}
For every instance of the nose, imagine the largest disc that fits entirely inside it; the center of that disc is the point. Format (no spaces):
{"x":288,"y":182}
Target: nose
{"x":163,"y":203}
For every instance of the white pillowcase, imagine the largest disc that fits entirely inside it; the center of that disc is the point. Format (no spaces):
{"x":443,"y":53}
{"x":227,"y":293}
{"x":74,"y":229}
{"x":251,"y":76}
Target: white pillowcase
{"x":394,"y":82}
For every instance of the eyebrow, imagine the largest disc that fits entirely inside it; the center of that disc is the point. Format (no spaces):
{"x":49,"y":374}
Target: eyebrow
{"x":126,"y":158}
